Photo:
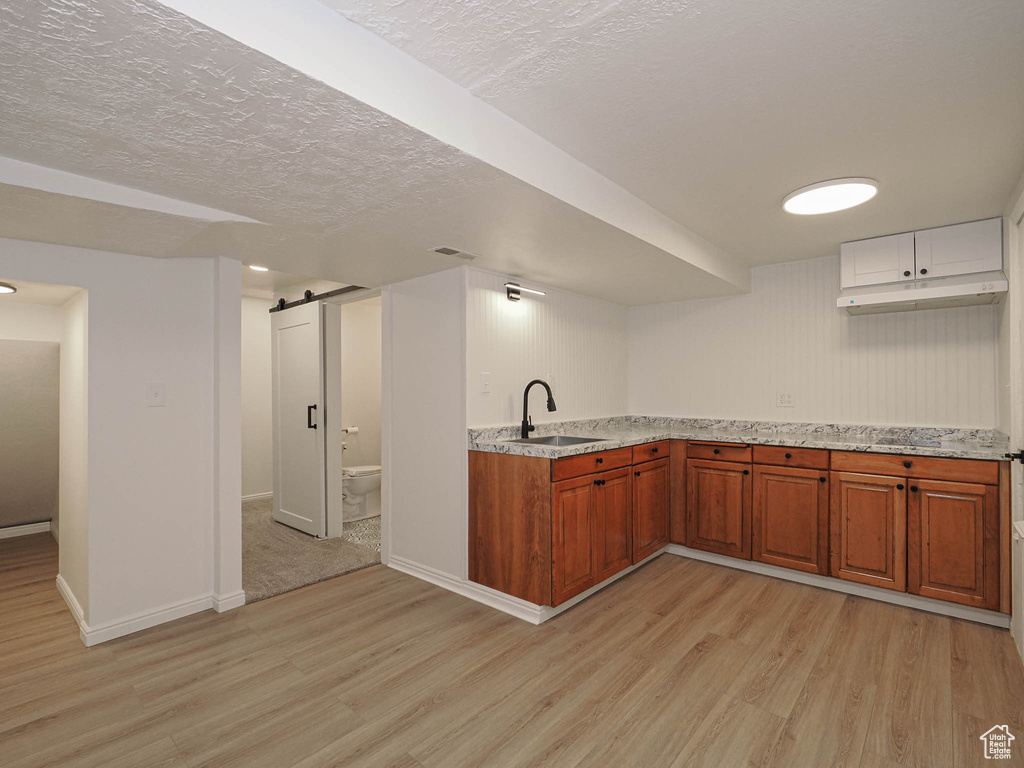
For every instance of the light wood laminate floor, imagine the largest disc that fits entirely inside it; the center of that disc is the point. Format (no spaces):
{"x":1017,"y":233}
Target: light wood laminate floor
{"x":681,"y":663}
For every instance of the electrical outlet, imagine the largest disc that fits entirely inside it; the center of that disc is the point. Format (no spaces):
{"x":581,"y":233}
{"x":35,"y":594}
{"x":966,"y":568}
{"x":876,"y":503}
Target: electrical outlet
{"x":485,"y":383}
{"x":783,"y":399}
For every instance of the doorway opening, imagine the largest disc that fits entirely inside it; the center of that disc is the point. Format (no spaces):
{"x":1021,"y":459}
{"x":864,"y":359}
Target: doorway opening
{"x":311,"y":433}
{"x":43,"y":346}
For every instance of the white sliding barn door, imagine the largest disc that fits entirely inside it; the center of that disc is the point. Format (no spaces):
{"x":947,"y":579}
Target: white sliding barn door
{"x":298,"y":367}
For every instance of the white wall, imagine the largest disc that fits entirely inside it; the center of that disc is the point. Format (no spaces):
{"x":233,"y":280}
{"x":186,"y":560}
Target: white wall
{"x":727,"y":358}
{"x":23,"y":321}
{"x":151,"y":471}
{"x":361,"y":380}
{"x":29,"y":416}
{"x":257,"y":421}
{"x":576,"y":344}
{"x":74,"y":448}
{"x":425,"y":475}
{"x":30,"y":322}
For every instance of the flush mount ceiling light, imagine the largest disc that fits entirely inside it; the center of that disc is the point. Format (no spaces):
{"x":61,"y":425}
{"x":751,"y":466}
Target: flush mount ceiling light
{"x":5,"y":288}
{"x":255,"y":268}
{"x":829,"y":196}
{"x":513,"y":290}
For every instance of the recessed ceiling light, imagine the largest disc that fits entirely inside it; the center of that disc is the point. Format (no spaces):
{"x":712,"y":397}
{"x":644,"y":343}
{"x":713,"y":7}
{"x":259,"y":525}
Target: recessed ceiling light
{"x":259,"y":269}
{"x":5,"y":288}
{"x":829,"y":196}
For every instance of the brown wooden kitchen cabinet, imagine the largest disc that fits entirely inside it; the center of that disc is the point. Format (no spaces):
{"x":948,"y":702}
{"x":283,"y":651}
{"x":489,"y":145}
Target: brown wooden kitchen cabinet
{"x":869,"y":529}
{"x":546,"y":530}
{"x":953,"y":542}
{"x":572,"y":538}
{"x":613,"y":524}
{"x":651,"y":483}
{"x":592,"y":531}
{"x":789,"y":518}
{"x":718,"y":504}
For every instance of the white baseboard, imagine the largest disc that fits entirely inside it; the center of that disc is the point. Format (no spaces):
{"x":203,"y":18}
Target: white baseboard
{"x":144,"y":620}
{"x":95,"y":635}
{"x":506,"y":603}
{"x":73,"y":605}
{"x":24,"y":530}
{"x":222,"y":603}
{"x":521,"y":609}
{"x":537,"y":614}
{"x":257,"y":496}
{"x":978,"y":615}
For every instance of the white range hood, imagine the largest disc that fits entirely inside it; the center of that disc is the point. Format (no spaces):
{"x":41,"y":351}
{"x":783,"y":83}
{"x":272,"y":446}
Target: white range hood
{"x":961,"y":291}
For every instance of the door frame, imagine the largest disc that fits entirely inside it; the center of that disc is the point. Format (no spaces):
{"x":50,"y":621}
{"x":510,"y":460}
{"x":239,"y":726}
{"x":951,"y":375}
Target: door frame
{"x":1014,"y":266}
{"x":335,"y":463}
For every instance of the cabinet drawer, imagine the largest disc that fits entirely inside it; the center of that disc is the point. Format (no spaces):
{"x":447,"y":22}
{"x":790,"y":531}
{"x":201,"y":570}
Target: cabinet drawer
{"x":588,"y":463}
{"x":650,"y":451}
{"x":808,"y":458}
{"x":924,"y":467}
{"x":718,"y":451}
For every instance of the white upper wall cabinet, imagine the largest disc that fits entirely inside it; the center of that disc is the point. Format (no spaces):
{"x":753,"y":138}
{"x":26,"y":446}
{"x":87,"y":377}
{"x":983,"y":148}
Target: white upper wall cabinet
{"x":878,"y":260}
{"x":960,"y":249}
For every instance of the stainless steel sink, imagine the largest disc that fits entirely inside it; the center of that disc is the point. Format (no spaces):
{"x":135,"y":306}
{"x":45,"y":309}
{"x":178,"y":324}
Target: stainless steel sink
{"x":556,"y":440}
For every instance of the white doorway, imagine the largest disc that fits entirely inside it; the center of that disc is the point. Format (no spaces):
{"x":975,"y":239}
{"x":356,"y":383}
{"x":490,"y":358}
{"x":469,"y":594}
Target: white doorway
{"x":298,"y":528}
{"x":43,"y":456}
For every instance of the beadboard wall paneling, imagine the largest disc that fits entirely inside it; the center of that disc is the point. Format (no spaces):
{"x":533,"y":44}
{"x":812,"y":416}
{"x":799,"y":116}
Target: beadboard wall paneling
{"x":575,"y":343}
{"x":729,"y":357}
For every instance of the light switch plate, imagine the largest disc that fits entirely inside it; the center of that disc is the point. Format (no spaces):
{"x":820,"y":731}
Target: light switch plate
{"x":485,"y":383}
{"x":156,"y":395}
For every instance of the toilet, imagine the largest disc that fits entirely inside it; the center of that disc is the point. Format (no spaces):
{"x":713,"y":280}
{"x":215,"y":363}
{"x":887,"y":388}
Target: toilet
{"x":361,"y":491}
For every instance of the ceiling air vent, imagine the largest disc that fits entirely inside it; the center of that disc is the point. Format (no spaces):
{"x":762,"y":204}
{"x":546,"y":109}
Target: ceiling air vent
{"x":447,"y":251}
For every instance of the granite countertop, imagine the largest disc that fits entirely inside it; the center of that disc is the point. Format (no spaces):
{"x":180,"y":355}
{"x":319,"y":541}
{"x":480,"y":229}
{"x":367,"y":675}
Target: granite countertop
{"x":622,"y":431}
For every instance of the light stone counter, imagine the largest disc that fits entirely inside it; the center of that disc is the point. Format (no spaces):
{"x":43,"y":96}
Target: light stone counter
{"x":622,"y":431}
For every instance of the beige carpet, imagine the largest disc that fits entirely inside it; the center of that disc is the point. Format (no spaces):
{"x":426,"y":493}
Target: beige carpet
{"x":278,"y":559}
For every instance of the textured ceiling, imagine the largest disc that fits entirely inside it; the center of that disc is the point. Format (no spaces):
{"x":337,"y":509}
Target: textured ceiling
{"x":135,"y":94}
{"x":713,"y":111}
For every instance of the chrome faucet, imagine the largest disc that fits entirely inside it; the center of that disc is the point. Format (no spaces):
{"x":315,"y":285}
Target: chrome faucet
{"x":527,"y":426}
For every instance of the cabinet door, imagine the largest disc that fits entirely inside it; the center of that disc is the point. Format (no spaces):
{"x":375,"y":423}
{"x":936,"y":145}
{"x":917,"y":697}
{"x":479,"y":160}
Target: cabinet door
{"x":613,"y":523}
{"x":960,"y":249}
{"x":572,"y":538}
{"x":953,"y":542}
{"x":718,"y":507}
{"x":869,"y":529}
{"x":879,"y":260}
{"x":790,"y":518}
{"x":651,"y":483}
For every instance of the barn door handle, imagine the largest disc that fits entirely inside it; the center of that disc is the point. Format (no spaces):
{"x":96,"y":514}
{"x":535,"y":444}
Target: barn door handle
{"x":309,"y":416}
